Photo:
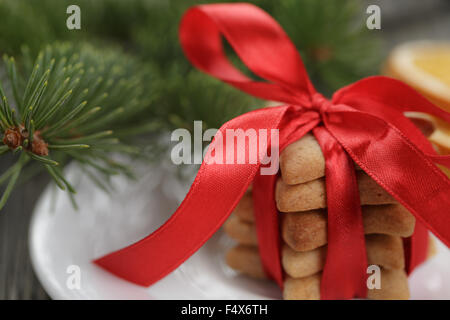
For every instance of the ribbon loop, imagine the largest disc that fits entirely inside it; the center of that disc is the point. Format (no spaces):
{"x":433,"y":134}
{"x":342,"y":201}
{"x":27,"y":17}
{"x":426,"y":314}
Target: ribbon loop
{"x":271,"y":55}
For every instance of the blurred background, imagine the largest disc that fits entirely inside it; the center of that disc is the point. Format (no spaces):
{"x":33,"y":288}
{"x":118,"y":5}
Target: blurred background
{"x":331,"y":35}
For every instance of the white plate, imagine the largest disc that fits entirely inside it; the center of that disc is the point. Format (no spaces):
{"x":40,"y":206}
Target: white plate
{"x":61,"y":236}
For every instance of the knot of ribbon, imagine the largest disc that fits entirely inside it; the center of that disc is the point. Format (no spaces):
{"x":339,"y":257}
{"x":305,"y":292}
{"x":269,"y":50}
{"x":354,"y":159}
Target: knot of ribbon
{"x":363,"y":123}
{"x":320,"y":103}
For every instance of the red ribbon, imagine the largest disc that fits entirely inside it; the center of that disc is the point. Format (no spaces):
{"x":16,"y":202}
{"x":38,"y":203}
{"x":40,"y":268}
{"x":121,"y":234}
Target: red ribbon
{"x":363,"y":123}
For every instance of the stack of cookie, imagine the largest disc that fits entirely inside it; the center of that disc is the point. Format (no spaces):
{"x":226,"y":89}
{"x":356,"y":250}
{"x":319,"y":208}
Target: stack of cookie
{"x":301,"y":200}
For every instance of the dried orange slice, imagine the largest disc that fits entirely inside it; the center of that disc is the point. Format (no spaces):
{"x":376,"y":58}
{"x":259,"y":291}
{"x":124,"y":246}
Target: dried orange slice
{"x":425,"y":65}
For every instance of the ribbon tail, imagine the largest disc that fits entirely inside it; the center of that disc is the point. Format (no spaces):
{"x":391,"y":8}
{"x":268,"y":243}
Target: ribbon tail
{"x":215,"y":192}
{"x":416,"y":247}
{"x":267,"y":226}
{"x":344,"y":274}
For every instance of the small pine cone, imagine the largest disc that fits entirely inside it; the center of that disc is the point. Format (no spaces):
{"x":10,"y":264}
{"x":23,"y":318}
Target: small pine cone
{"x":39,"y":147}
{"x":12,"y":138}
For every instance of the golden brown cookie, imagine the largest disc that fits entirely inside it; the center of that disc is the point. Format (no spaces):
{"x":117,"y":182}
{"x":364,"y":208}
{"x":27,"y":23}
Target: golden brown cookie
{"x":382,"y":250}
{"x":303,"y":264}
{"x":302,"y":161}
{"x":385,"y":251}
{"x":241,"y":231}
{"x":394,"y":286}
{"x":312,"y":195}
{"x":304,"y":231}
{"x":244,"y":209}
{"x":307,"y":288}
{"x":245,"y":259}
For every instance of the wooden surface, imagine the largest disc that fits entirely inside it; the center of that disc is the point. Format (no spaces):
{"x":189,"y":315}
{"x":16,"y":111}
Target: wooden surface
{"x":17,"y":279}
{"x":401,"y":20}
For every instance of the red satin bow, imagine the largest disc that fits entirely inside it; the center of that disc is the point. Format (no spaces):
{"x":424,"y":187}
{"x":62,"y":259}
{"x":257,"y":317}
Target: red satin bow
{"x":363,"y":122}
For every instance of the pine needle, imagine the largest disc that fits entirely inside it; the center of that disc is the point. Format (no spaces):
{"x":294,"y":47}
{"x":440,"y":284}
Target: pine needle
{"x":68,"y":146}
{"x":55,"y":177}
{"x":42,"y":159}
{"x":14,"y":175}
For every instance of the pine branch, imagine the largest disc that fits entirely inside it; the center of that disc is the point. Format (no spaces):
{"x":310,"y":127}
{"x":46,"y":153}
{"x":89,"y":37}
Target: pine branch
{"x":54,"y":111}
